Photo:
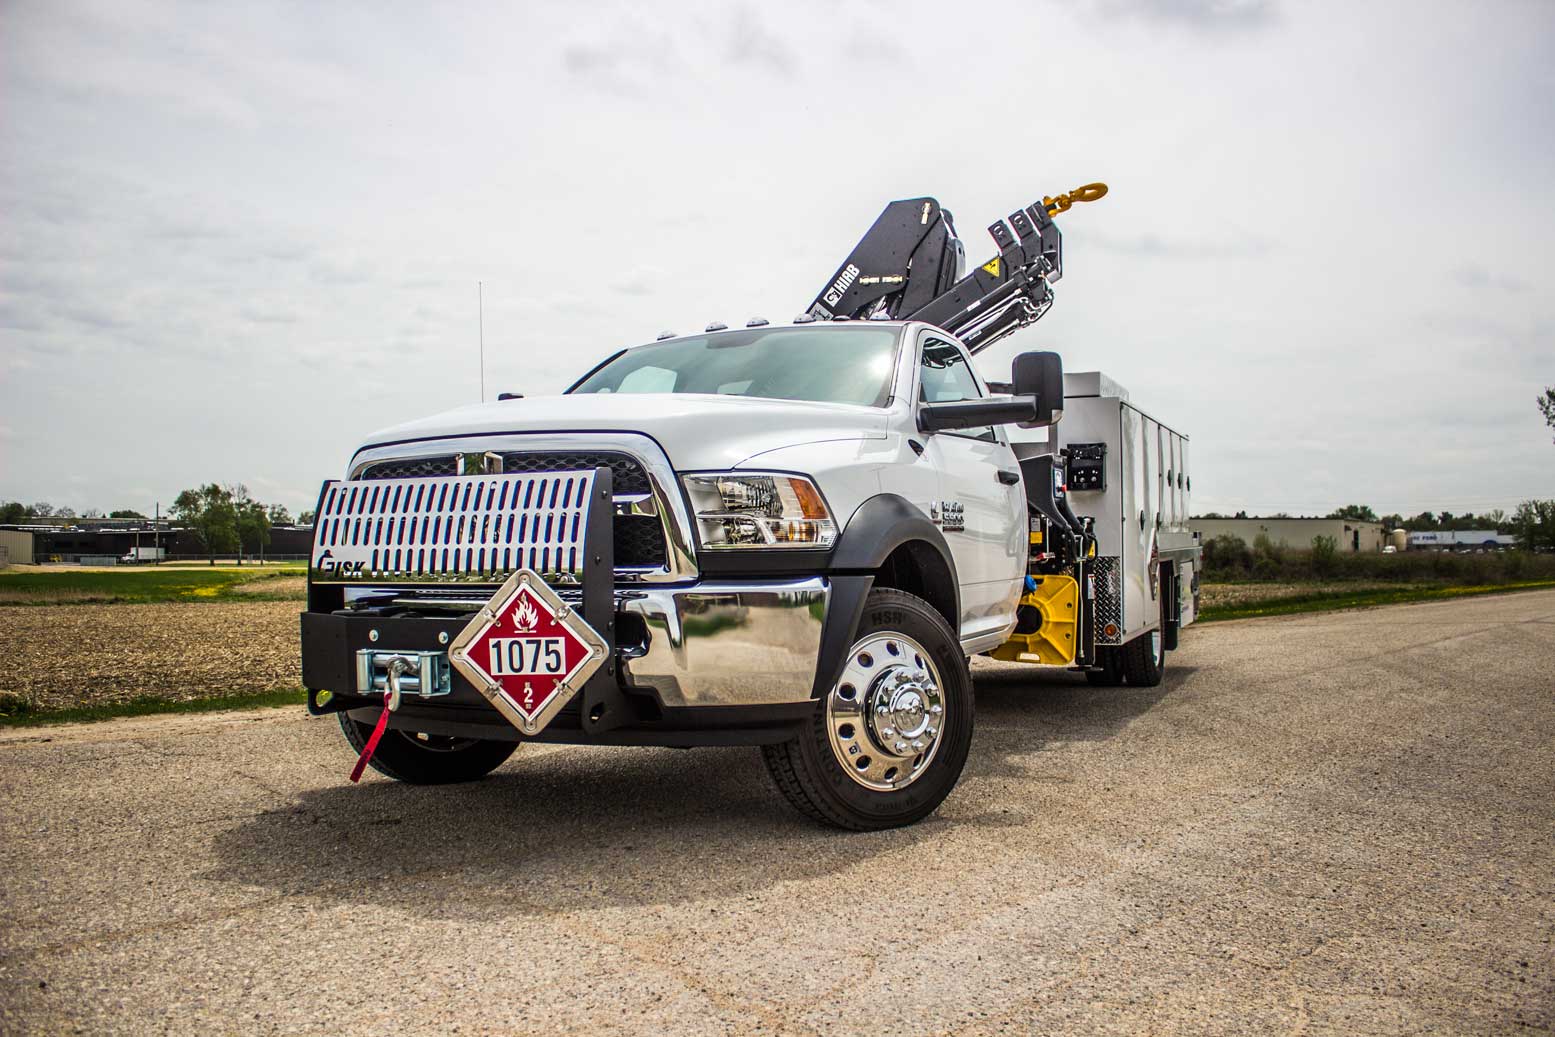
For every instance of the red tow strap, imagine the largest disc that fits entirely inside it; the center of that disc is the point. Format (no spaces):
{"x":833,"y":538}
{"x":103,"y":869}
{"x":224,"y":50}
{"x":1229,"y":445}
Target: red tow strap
{"x":372,"y":742}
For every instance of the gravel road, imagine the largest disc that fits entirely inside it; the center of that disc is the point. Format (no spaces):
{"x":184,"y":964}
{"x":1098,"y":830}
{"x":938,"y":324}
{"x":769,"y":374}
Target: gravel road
{"x":1340,"y":823}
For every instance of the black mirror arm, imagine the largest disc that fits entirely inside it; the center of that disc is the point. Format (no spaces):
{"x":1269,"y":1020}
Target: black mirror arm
{"x":1001,"y":410}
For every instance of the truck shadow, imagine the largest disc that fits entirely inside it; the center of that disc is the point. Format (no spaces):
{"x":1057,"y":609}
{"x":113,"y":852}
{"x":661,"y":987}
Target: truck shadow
{"x":586,"y":828}
{"x":559,"y":831}
{"x":1061,"y":706}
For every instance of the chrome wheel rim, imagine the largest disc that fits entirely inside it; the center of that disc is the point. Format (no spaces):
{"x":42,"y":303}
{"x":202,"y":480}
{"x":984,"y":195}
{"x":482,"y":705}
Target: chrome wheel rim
{"x":886,"y":714}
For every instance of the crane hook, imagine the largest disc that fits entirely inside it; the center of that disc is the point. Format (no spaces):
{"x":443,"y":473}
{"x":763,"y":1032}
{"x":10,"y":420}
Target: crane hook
{"x":1088,"y":193}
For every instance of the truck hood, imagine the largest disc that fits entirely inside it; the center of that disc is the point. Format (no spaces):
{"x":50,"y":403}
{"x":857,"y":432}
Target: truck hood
{"x":696,"y":431}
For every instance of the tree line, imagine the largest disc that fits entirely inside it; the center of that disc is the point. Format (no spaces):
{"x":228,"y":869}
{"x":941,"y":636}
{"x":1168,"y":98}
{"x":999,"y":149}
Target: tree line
{"x":1444,"y":521}
{"x":1533,"y":523}
{"x":226,"y":519}
{"x":15,"y":512}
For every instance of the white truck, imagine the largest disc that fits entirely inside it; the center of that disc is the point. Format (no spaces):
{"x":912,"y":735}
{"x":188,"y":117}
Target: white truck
{"x":792,"y":536}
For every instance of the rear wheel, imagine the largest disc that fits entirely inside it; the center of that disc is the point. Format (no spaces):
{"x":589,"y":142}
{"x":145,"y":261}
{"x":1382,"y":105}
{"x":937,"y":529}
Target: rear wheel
{"x":889,"y":742}
{"x":423,"y":759}
{"x":1144,"y":658}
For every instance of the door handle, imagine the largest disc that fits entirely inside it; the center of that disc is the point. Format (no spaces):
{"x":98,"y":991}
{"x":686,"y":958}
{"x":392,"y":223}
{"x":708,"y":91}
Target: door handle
{"x":1008,"y":477}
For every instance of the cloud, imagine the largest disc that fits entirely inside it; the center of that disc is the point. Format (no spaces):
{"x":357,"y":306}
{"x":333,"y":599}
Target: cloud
{"x":256,"y":315}
{"x":1208,"y":15}
{"x":1472,"y":275}
{"x":1160,"y":245}
{"x":751,"y":43}
{"x":640,"y":281}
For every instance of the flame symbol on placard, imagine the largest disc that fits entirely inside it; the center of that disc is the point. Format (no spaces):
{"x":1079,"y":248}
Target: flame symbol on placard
{"x":526,"y":617}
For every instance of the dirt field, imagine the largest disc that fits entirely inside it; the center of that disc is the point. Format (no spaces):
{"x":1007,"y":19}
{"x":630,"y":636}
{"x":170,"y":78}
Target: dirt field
{"x":1215,"y":595}
{"x":1331,"y":824}
{"x":59,"y":656}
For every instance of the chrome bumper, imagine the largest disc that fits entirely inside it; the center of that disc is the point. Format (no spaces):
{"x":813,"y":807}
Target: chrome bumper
{"x":730,"y":644}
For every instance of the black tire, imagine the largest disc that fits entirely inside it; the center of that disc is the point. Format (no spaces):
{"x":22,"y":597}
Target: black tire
{"x":1144,"y":658}
{"x":1111,"y":673}
{"x":434,"y":760}
{"x":810,"y":773}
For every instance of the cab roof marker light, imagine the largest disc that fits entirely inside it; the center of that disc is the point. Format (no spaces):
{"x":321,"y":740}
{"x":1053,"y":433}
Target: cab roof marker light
{"x":805,"y":318}
{"x":664,"y":335}
{"x":717,"y":325}
{"x":757,"y":322}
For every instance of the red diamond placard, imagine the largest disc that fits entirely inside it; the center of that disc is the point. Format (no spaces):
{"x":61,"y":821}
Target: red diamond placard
{"x":527,"y":651}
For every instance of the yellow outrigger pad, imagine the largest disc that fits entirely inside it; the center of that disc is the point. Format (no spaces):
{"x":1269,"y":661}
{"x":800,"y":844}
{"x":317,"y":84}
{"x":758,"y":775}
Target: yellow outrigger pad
{"x":1057,"y":601}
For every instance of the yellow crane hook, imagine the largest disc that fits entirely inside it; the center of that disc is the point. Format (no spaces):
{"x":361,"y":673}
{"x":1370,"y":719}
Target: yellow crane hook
{"x":1088,"y":193}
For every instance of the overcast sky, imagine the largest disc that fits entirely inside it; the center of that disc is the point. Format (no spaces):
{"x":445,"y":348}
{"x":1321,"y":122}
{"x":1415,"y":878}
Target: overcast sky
{"x":237,"y":239}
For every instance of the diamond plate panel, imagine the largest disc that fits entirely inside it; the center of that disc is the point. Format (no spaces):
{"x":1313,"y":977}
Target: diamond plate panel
{"x":1109,"y":599}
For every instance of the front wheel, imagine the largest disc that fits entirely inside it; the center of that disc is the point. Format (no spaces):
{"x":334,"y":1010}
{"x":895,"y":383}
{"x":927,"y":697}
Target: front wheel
{"x":889,"y":742}
{"x":423,"y":759}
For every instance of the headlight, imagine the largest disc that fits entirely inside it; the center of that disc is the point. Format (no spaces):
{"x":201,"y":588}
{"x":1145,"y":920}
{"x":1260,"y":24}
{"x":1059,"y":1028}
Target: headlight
{"x":741,"y":509}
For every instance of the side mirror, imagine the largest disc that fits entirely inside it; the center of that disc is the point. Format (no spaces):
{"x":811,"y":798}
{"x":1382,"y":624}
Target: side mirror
{"x":1041,"y":375}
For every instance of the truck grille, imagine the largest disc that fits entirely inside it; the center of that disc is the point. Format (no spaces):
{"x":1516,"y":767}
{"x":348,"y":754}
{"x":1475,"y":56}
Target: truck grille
{"x":475,"y":529}
{"x":639,"y":539}
{"x":630,"y":479}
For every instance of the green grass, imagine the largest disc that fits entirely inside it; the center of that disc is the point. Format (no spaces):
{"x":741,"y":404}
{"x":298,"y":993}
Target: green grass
{"x":1328,"y":601}
{"x":18,"y":712}
{"x":136,"y":586}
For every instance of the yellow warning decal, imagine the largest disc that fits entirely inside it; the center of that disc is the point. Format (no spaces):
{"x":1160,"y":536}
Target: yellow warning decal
{"x":992,"y":266}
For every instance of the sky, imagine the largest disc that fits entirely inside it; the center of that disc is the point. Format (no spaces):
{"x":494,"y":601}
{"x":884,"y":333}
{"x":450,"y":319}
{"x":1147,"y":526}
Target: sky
{"x":235,"y":240}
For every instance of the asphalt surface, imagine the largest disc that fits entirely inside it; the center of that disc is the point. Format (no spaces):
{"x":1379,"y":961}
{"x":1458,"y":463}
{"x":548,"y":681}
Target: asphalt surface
{"x":1341,"y":823}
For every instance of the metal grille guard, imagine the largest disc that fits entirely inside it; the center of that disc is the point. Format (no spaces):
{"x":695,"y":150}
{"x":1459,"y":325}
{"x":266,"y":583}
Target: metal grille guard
{"x":488,"y":526}
{"x":450,"y":529}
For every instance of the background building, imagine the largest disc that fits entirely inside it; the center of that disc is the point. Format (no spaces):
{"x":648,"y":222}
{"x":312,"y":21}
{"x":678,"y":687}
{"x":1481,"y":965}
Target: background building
{"x":101,"y":546}
{"x":1296,"y":534}
{"x":1460,"y":540}
{"x":15,"y":547}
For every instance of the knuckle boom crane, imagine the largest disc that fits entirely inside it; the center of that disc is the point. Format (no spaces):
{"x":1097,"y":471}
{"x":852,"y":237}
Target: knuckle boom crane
{"x":908,"y":266}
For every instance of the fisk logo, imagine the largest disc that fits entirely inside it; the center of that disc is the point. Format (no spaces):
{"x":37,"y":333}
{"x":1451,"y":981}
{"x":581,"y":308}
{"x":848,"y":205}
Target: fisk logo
{"x":843,"y":283}
{"x":329,"y":565}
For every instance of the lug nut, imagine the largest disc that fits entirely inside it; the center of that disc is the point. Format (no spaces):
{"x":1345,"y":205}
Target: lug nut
{"x":935,"y":710}
{"x":888,"y":732}
{"x":901,"y":747}
{"x":918,"y":744}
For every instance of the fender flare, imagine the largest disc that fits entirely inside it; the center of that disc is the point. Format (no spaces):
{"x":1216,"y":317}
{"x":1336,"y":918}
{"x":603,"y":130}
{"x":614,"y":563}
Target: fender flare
{"x":879,"y":526}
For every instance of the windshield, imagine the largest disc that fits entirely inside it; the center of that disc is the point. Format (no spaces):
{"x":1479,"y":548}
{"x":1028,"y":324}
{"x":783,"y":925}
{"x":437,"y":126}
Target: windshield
{"x":820,"y":365}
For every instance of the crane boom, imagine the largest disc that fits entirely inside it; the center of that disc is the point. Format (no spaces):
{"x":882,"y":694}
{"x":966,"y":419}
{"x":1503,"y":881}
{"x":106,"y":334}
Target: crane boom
{"x":908,"y":266}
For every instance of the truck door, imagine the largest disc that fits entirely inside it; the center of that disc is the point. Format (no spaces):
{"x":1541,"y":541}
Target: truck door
{"x":982,"y":505}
